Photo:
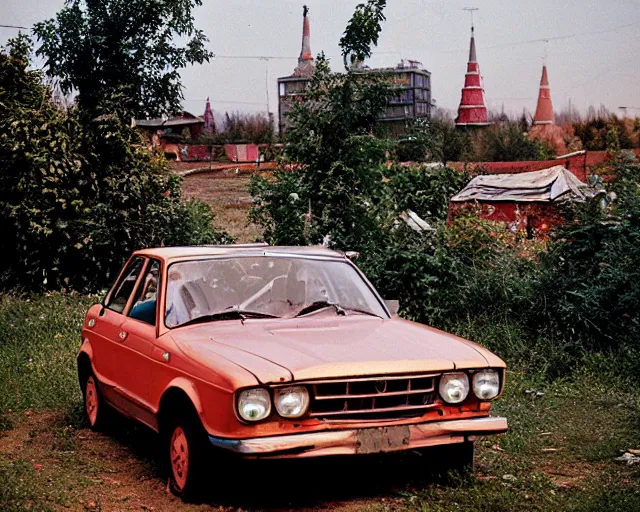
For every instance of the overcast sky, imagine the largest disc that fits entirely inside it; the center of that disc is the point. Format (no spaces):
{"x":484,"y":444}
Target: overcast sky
{"x":593,"y":53}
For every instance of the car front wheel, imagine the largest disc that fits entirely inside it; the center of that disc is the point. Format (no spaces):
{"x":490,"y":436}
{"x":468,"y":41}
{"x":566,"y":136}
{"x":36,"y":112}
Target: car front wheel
{"x":460,"y":458}
{"x":187,"y":450}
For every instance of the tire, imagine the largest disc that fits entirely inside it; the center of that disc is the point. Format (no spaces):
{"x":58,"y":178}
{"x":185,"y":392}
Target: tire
{"x":446,"y":463}
{"x":460,"y":458}
{"x":186,"y":449}
{"x":97,"y":411}
{"x":456,"y":462}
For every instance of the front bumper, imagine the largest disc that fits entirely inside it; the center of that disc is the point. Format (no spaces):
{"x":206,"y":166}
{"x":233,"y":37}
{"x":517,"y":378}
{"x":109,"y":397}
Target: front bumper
{"x":364,"y":441}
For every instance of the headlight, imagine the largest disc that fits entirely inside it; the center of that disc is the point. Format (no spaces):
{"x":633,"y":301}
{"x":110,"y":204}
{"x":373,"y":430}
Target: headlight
{"x":254,"y":404}
{"x":291,"y":402}
{"x":454,"y":387}
{"x":486,"y":384}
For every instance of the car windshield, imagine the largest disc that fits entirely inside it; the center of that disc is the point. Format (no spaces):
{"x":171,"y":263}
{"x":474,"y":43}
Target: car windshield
{"x":270,"y":286}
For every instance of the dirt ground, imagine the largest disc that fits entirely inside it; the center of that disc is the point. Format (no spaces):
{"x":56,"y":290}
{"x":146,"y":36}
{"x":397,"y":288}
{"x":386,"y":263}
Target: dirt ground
{"x":227,"y":193}
{"x":49,"y":463}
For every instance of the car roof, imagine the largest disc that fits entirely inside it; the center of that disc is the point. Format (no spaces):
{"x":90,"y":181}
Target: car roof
{"x":172,"y":254}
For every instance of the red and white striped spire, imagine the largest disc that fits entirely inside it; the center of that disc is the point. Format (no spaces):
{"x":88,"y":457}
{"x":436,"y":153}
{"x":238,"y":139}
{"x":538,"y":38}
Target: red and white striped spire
{"x":472,"y":111}
{"x":544,"y":110}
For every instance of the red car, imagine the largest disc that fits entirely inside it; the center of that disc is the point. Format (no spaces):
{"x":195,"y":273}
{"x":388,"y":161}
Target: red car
{"x":275,"y":352}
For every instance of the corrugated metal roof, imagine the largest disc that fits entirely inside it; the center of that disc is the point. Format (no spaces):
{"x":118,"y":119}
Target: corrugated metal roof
{"x":549,"y":185}
{"x":159,"y":122}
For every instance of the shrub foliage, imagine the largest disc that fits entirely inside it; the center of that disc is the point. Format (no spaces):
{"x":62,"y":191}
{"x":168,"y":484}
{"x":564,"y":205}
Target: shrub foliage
{"x":77,"y":196}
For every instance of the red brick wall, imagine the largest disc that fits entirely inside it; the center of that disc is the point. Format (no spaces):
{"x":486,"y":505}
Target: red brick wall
{"x":202,"y":153}
{"x":579,"y":165}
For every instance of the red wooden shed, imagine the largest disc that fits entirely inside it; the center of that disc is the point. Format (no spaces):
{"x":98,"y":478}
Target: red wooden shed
{"x":528,"y":201}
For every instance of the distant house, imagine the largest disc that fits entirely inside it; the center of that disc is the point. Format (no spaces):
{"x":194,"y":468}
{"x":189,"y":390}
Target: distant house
{"x":172,"y":128}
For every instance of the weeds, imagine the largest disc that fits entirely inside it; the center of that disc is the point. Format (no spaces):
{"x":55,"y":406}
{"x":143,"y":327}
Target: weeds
{"x":39,"y":338}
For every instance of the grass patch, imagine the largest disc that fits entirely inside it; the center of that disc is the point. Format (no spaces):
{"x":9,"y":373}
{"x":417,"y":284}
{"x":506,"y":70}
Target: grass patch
{"x":557,"y":456}
{"x":39,"y":339}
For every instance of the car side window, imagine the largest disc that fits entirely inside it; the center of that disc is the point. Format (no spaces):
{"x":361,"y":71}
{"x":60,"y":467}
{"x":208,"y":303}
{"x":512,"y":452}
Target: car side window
{"x":124,"y":287}
{"x":144,"y":303}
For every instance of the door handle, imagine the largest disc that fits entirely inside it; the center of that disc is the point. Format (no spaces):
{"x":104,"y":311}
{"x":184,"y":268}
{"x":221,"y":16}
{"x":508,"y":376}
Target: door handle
{"x":123,"y":335}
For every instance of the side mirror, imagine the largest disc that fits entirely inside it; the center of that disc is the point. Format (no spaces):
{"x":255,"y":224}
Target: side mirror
{"x":352,"y":255}
{"x":393,"y":306}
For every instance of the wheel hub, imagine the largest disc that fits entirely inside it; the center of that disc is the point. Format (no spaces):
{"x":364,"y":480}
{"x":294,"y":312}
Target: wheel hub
{"x":179,"y":453}
{"x":91,"y":401}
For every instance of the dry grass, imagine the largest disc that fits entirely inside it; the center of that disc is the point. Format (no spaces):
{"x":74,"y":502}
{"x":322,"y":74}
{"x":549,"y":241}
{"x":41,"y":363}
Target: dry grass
{"x":227,"y":194}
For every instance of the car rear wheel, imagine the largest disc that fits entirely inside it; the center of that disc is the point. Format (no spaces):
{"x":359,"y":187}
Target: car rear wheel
{"x":186,"y":450}
{"x":95,"y":408}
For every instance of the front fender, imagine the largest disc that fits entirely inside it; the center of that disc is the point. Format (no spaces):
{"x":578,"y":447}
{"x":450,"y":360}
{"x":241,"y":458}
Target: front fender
{"x":86,"y":348}
{"x":189,"y":389}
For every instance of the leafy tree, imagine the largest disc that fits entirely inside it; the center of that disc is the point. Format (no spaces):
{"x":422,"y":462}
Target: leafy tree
{"x":334,"y":162}
{"x":122,"y":56}
{"x":508,"y":143}
{"x":362,"y":32}
{"x":421,"y":189}
{"x":77,"y":196}
{"x":420,"y":143}
{"x":334,"y":159}
{"x":600,"y":133}
{"x":456,"y":145}
{"x":243,"y":128}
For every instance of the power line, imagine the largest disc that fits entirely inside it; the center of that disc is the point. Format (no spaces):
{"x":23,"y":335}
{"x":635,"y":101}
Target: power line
{"x":547,"y":39}
{"x":569,"y":36}
{"x":279,"y":57}
{"x":231,"y":102}
{"x":14,"y":26}
{"x":258,"y":57}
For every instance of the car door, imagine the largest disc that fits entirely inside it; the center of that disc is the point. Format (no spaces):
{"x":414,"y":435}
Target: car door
{"x":140,"y":332}
{"x":106,"y":327}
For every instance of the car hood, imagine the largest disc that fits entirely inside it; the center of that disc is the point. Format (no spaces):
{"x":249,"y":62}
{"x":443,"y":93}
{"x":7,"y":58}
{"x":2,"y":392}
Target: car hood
{"x":321,"y":346}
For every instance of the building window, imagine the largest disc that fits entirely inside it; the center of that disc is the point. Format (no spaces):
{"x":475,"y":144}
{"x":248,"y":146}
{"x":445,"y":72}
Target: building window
{"x":403,"y":97}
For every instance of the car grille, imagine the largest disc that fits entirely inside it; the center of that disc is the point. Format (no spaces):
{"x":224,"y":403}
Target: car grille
{"x":373,"y":397}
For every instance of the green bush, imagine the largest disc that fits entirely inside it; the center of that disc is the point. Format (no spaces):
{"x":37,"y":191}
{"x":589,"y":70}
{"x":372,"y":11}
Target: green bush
{"x":191,"y":224}
{"x":77,"y":196}
{"x":424,"y":190}
{"x":591,"y":278}
{"x":507,"y":144}
{"x":601,"y":134}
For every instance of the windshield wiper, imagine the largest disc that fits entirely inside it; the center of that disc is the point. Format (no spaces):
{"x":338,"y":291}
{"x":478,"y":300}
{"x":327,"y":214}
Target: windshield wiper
{"x":230,"y":314}
{"x":319,"y":304}
{"x":362,"y":311}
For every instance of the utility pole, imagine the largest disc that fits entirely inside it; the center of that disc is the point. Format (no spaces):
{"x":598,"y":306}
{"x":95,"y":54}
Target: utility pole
{"x":266,"y":80}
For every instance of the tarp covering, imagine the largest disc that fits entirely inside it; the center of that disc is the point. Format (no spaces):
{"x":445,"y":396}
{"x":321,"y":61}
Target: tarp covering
{"x":549,"y":185}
